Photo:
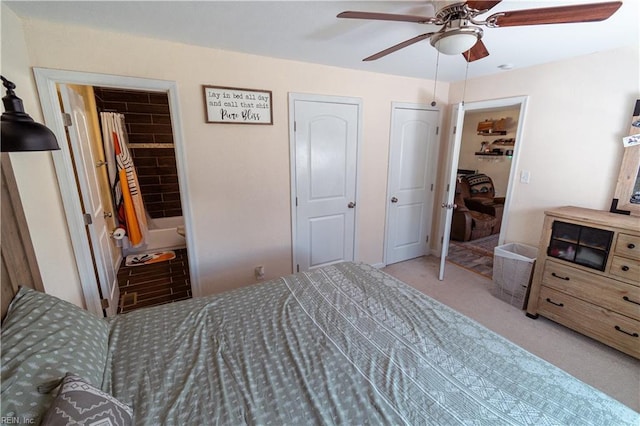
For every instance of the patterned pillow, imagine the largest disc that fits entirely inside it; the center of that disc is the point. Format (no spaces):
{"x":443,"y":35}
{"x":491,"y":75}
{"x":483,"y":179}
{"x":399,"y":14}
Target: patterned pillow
{"x":479,"y":184}
{"x":43,"y":338}
{"x":79,"y":403}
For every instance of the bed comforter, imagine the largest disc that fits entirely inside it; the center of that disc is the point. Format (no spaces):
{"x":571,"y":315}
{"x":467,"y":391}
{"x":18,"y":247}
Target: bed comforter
{"x":345,"y":344}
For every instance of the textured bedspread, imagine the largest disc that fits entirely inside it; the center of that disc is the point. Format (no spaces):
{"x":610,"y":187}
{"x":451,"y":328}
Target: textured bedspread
{"x":345,"y":344}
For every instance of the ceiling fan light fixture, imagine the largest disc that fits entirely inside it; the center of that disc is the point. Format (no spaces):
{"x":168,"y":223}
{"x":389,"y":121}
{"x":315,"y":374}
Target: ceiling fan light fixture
{"x":457,"y":40}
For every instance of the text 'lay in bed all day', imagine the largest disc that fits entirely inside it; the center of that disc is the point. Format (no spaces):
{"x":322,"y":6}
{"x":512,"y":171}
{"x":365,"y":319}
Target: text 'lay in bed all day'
{"x":239,"y":100}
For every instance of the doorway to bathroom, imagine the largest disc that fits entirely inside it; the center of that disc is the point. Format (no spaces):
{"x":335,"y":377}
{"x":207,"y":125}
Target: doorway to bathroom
{"x":152,"y":271}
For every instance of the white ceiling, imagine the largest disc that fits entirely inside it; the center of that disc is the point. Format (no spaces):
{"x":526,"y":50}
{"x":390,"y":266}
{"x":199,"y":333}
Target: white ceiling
{"x":309,"y":31}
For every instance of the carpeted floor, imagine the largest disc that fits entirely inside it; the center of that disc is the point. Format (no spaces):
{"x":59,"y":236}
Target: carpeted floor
{"x":596,"y":364}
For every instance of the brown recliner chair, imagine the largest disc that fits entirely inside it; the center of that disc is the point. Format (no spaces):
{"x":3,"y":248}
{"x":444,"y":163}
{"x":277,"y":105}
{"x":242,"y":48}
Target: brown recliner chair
{"x":469,"y":224}
{"x":479,"y":194}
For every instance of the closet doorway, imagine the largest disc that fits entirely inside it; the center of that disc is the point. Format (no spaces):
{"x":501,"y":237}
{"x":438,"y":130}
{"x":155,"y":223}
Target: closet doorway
{"x":155,"y":141}
{"x":324,"y":136}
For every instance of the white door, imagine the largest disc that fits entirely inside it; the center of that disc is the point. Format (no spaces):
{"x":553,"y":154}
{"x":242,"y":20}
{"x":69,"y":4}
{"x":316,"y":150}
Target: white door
{"x":411,"y":178}
{"x":457,"y":120}
{"x":325,"y":144}
{"x":86,"y":161}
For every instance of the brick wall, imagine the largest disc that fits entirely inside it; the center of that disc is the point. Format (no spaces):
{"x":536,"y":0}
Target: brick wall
{"x":158,"y":179}
{"x":148,"y":124}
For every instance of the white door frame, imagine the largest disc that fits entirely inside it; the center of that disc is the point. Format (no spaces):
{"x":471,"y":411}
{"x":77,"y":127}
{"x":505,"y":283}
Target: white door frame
{"x":434,"y":169}
{"x":293,"y":97}
{"x":46,"y":80}
{"x":453,"y":154}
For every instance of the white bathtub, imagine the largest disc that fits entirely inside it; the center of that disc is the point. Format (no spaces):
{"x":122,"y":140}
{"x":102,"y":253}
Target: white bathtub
{"x":163,"y":235}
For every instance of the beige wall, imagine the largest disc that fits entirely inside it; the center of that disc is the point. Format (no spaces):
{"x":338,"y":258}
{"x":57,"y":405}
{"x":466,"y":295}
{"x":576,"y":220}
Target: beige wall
{"x":238,"y":176}
{"x":36,"y":179}
{"x":578,"y":111}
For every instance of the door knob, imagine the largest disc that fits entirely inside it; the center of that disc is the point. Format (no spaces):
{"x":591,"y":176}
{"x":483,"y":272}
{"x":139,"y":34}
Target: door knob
{"x":107,"y":214}
{"x":351,"y":205}
{"x":394,"y":200}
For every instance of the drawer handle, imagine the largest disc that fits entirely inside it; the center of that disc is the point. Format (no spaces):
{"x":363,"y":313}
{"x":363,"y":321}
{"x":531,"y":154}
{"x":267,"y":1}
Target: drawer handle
{"x":558,"y":276}
{"x":625,"y":268}
{"x":626,"y":299}
{"x":626,"y":332}
{"x":554,"y":303}
{"x":631,"y":246}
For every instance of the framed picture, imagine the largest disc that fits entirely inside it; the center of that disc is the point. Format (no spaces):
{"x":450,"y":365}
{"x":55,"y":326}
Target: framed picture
{"x":232,"y":105}
{"x":627,"y":196}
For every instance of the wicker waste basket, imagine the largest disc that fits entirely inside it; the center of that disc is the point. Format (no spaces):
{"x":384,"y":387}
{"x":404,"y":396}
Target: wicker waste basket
{"x":512,"y":271}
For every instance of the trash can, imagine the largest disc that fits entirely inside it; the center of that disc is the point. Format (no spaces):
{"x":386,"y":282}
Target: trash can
{"x":512,"y":271}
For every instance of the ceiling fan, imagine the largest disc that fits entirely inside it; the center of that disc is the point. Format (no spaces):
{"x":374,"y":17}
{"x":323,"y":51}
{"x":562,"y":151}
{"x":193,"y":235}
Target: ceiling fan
{"x":460,"y":32}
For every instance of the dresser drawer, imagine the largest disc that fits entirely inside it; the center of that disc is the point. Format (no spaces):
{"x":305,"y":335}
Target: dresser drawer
{"x":626,"y":268}
{"x":611,"y":294}
{"x":628,"y":246}
{"x":612,"y":329}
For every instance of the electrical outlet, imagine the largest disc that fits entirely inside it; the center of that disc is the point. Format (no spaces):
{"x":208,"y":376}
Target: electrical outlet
{"x":525,"y":176}
{"x":259,"y":272}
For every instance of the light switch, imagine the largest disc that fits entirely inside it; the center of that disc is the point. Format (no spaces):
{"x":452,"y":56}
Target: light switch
{"x":525,"y":176}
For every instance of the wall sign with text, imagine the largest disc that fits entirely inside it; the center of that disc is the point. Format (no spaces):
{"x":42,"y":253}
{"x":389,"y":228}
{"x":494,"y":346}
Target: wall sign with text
{"x":237,"y":106}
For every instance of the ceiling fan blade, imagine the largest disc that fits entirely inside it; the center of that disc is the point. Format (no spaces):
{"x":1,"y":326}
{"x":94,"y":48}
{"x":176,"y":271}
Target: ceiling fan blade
{"x":482,"y":5}
{"x":398,"y":46}
{"x":557,"y":15}
{"x":478,"y":51}
{"x":390,"y":17}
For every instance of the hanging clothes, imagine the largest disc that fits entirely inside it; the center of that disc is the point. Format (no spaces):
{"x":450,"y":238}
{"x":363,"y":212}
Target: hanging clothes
{"x":123,"y":179}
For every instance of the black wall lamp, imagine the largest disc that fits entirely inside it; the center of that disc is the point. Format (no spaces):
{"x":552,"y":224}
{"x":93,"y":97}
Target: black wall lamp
{"x":19,"y":131}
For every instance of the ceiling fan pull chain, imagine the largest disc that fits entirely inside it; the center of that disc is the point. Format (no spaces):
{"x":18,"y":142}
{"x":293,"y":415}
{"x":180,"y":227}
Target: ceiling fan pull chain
{"x":466,"y":73}
{"x":435,"y":81}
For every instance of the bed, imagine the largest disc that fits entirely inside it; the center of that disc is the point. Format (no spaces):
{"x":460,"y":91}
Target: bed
{"x":343,"y":344}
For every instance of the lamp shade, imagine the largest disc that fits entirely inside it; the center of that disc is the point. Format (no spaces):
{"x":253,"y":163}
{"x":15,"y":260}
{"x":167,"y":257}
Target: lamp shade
{"x":19,"y":131}
{"x":456,"y":41}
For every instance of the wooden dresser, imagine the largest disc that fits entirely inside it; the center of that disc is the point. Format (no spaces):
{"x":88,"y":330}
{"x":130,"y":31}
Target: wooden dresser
{"x":587,"y":275}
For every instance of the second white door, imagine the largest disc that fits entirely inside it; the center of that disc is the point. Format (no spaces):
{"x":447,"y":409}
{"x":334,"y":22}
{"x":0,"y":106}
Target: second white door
{"x":412,"y":173}
{"x":325,"y":146}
